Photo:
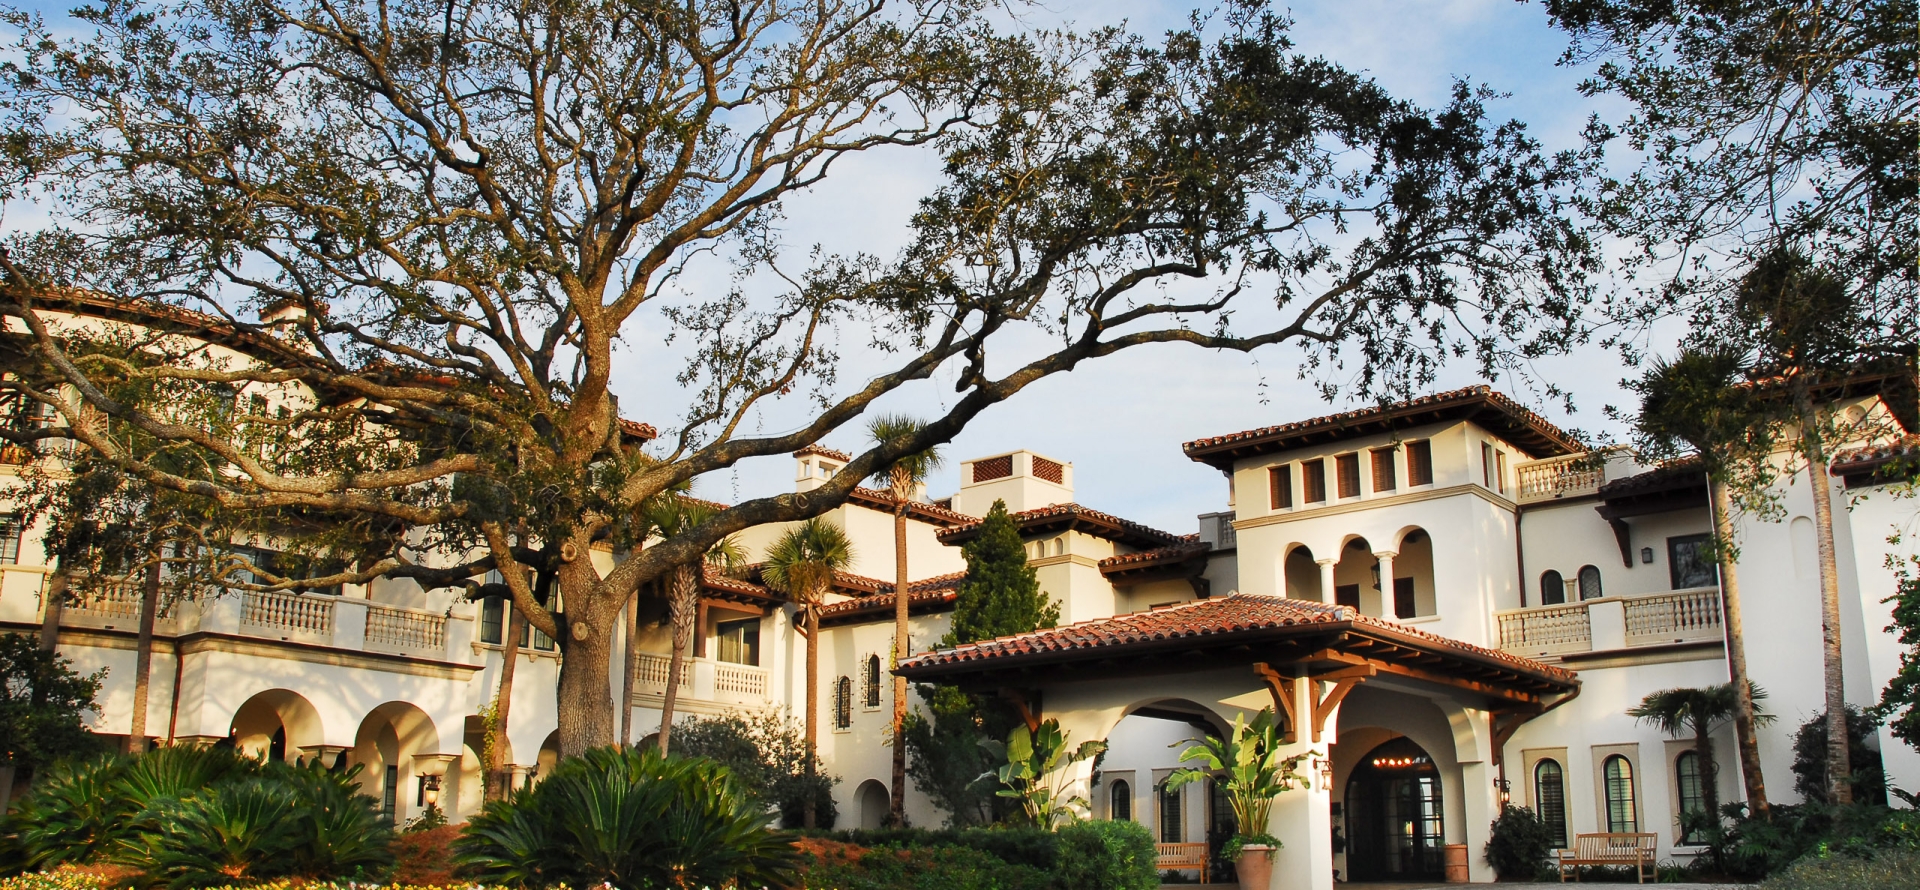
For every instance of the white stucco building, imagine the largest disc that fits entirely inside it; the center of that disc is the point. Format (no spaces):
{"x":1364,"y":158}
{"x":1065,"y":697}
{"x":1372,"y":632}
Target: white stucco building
{"x":1452,"y":600}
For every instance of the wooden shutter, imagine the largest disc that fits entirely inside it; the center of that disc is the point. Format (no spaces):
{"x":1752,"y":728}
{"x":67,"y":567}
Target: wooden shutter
{"x":1280,"y":486}
{"x":1383,"y":476}
{"x":1314,"y":477}
{"x":1420,"y":462}
{"x":1348,"y":466}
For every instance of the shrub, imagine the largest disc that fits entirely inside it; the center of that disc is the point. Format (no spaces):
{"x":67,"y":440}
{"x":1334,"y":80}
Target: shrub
{"x":1810,"y":759}
{"x":765,"y":751}
{"x":1519,"y":844}
{"x":1895,"y":868}
{"x":937,"y":867}
{"x":1105,"y":855}
{"x":238,"y":833}
{"x":630,"y":818}
{"x":1014,"y":844}
{"x":1750,"y":849}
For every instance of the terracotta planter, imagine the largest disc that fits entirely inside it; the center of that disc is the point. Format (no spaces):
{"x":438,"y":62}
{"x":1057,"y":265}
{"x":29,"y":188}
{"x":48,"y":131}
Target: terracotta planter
{"x":1255,"y":867}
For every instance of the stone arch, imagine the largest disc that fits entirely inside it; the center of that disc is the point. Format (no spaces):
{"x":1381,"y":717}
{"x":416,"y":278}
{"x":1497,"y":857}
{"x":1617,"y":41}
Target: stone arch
{"x":1299,"y":574}
{"x":1372,"y":715}
{"x":276,"y":722}
{"x":1413,"y":566}
{"x":1354,"y":583}
{"x":396,"y":743}
{"x":874,"y":802}
{"x":549,"y":756}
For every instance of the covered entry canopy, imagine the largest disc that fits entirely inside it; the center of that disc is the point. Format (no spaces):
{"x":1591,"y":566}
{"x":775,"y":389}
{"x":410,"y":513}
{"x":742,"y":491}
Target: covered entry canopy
{"x":1263,"y":633}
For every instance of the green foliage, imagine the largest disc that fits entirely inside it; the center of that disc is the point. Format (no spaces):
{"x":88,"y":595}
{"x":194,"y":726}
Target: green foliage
{"x":1810,"y":759}
{"x":1026,"y":845}
{"x":801,"y":562}
{"x":1106,"y":855}
{"x":237,"y":833}
{"x":41,"y":700}
{"x":1001,"y":594}
{"x":903,"y":474}
{"x":1519,"y":844}
{"x":1893,"y":869}
{"x":766,"y":752}
{"x":1247,"y":765}
{"x":1899,"y":703}
{"x":1749,"y":848}
{"x":1034,"y":772}
{"x":1234,"y":846}
{"x":630,"y":818}
{"x":939,"y":867}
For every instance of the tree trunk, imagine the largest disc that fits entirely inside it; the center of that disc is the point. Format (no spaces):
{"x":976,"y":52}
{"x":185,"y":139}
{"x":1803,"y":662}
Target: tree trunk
{"x":808,"y":819}
{"x":143,"y":660}
{"x":499,"y":781}
{"x":1839,"y":771}
{"x":1709,"y":770}
{"x":902,"y":647}
{"x":1749,"y":744}
{"x":50,"y":609}
{"x":585,"y":697}
{"x":681,"y":607}
{"x":632,"y":666}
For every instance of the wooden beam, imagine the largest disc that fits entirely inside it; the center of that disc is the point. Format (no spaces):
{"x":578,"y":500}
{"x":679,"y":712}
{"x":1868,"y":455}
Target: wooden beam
{"x":1282,"y":690}
{"x":1343,"y":682}
{"x":1020,"y":704}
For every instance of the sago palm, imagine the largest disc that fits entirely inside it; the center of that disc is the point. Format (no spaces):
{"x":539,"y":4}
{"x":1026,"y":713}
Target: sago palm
{"x":801,"y":565}
{"x":669,"y":516}
{"x":901,"y":478}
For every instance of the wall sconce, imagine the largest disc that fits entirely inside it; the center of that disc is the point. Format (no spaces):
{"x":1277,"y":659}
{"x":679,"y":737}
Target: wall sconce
{"x":1506,"y":791}
{"x":1646,"y":556}
{"x":1376,"y":576}
{"x":1324,"y":767}
{"x":432,"y":789}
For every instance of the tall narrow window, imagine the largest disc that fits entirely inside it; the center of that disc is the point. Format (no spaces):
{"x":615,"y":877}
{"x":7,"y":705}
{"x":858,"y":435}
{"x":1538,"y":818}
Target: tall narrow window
{"x":1420,"y":462}
{"x":390,"y":793}
{"x":1403,"y":601}
{"x":1120,"y":809}
{"x":1693,"y":798}
{"x":1617,"y":775}
{"x":1553,"y":588}
{"x":11,"y":529}
{"x":1486,"y":464}
{"x":1500,"y":471}
{"x":1173,"y":828}
{"x":843,"y":703}
{"x":1313,"y":475}
{"x":1383,"y":476}
{"x":1550,"y":799}
{"x":493,"y":613}
{"x":872,"y":698}
{"x":739,"y":641}
{"x":1590,"y":583}
{"x":1280,"y":486}
{"x":1349,"y":469}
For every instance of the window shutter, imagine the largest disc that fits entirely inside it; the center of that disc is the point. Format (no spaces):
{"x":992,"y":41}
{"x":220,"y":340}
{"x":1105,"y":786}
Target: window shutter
{"x":1348,"y":466}
{"x":1383,"y":476}
{"x":1420,"y":462}
{"x":1280,"y":486}
{"x":1314,"y":473}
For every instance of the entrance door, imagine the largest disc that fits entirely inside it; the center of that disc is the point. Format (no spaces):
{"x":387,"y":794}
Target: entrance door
{"x":1393,"y":812}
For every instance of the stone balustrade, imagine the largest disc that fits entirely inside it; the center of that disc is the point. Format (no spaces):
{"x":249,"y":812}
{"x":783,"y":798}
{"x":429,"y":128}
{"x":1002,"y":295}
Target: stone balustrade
{"x":1676,"y":617}
{"x":704,"y":679}
{"x":1559,"y":477}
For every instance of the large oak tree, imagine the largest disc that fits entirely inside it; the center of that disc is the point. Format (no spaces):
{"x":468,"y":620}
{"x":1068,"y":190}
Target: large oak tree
{"x":462,"y":207}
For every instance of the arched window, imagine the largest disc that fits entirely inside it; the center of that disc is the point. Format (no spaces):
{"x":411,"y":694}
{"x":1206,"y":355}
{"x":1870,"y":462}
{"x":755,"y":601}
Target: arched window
{"x":1590,"y":583}
{"x":1550,"y":799}
{"x":1121,"y":809}
{"x":873,"y":682}
{"x":1617,"y":772}
{"x":843,"y":703}
{"x":1693,"y":798}
{"x":1553,"y":589}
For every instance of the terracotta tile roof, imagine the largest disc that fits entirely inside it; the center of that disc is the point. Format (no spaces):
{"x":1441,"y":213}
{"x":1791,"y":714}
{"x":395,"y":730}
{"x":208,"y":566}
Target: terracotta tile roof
{"x":1480,"y":404}
{"x":1063,"y":516}
{"x":935,"y":594}
{"x":1873,"y":457}
{"x":823,"y":451}
{"x":933,"y":513}
{"x":1675,"y":475}
{"x":1217,"y":621}
{"x":636,"y":429}
{"x":1171,"y":553}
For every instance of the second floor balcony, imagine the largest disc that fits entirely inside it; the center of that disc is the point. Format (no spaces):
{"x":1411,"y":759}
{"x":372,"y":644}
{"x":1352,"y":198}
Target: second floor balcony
{"x":705,"y":679}
{"x":1613,"y":624}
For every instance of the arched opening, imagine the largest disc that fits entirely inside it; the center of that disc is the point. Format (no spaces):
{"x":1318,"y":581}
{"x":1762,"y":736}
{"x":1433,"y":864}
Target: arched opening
{"x":1550,"y":799}
{"x":1356,"y":581}
{"x":1413,"y":587}
{"x":1302,"y":574}
{"x":1590,"y":583}
{"x":874,"y":803}
{"x":1143,"y":750}
{"x":1395,"y":815}
{"x":386,"y":747}
{"x":276,"y":725}
{"x":1553,"y":589}
{"x":549,"y":757}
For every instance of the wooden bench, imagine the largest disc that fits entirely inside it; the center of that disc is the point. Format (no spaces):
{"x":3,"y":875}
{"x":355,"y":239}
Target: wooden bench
{"x":1182,"y":856}
{"x":1612,"y":848}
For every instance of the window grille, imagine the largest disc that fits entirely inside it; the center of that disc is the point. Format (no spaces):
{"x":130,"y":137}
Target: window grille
{"x":873,"y":682}
{"x":843,"y":703}
{"x":1553,"y":588}
{"x":1049,"y":470}
{"x":993,"y":468}
{"x":1590,"y":583}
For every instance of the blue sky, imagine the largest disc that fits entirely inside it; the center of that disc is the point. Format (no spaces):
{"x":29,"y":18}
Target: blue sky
{"x":1121,"y":420}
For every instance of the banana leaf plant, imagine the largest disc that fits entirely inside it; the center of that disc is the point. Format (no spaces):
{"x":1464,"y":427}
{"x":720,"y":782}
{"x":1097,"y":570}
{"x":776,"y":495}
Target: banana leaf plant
{"x":1246,"y":765}
{"x":1035,"y":773}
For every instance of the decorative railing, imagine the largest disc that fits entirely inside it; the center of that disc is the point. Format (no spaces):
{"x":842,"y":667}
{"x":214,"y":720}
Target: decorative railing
{"x":651,"y":672}
{"x":406,"y":629}
{"x":15,"y":455}
{"x":1559,"y":477}
{"x":1546,"y":630}
{"x":287,"y":613}
{"x":740,"y":680}
{"x":116,"y":599}
{"x":1683,"y":616}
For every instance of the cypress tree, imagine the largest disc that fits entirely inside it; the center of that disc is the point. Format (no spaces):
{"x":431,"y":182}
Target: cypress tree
{"x":1001,"y":595}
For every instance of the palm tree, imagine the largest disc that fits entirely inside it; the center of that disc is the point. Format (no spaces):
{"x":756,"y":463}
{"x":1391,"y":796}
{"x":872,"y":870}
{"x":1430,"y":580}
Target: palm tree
{"x":1693,"y":401}
{"x":801,"y":564}
{"x":668,"y":516}
{"x":901,"y":478}
{"x":1680,"y":711}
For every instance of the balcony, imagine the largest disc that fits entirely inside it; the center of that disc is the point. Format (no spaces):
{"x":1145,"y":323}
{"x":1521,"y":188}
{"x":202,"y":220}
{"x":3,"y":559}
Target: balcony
{"x":704,"y":679}
{"x":1606,"y":624}
{"x":1567,"y":476}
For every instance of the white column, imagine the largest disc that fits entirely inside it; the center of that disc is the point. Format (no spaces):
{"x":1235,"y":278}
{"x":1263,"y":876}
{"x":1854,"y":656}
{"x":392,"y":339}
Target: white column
{"x":1303,"y":818}
{"x":1326,"y":579}
{"x":1386,"y":582}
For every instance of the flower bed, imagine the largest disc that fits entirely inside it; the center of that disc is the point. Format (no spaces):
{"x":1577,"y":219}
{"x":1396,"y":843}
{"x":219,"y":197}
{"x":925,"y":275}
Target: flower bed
{"x":71,"y":878}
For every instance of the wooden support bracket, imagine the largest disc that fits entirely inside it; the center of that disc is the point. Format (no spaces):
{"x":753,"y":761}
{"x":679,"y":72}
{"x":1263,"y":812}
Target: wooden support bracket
{"x":1027,"y":712}
{"x":1282,"y":690}
{"x":1343,"y":681}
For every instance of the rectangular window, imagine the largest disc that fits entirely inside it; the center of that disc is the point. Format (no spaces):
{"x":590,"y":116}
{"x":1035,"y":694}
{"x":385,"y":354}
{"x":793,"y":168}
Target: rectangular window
{"x":1690,"y":562}
{"x":1383,"y":475}
{"x":1347,"y":595}
{"x":493,"y":614}
{"x":1403,"y":598}
{"x":1313,"y":476}
{"x":390,"y":793}
{"x":1280,"y":486}
{"x":1420,"y":462}
{"x":1486,"y":465}
{"x":11,"y":529}
{"x":1173,"y":828}
{"x":739,"y":641}
{"x":1348,"y":466}
{"x":1500,"y":470}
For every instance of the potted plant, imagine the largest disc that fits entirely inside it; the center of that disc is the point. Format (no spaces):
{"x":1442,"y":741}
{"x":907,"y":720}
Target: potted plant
{"x":1248,"y":767}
